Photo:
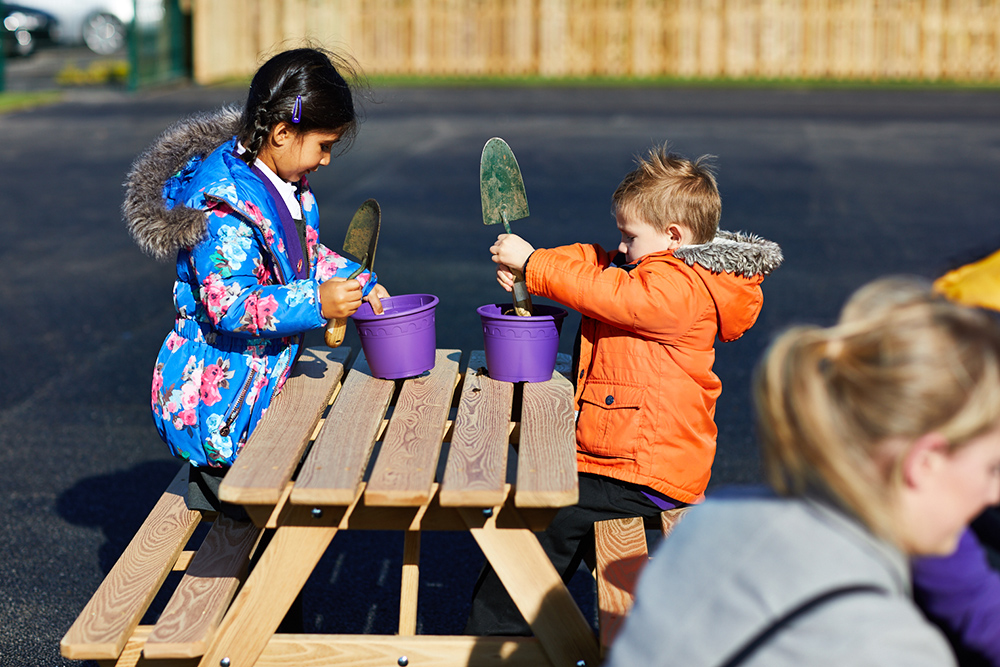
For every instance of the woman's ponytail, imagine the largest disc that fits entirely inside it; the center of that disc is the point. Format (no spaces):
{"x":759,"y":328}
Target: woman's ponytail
{"x":832,"y":403}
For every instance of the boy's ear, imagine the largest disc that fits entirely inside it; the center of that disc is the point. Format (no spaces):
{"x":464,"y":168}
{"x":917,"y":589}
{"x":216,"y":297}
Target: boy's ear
{"x":678,"y":236}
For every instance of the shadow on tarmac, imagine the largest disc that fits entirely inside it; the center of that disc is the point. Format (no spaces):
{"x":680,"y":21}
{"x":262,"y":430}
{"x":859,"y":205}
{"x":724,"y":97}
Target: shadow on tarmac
{"x":116,"y":503}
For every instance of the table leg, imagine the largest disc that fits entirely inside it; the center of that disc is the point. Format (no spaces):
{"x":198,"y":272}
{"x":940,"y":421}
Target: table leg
{"x":410,"y":583}
{"x":536,"y":588}
{"x":269,"y":591}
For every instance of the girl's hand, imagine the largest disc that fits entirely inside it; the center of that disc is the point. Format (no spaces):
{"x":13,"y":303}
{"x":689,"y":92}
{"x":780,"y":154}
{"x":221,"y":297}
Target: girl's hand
{"x":505,"y":277}
{"x":339,"y":297}
{"x":511,"y":250}
{"x":375,"y":298}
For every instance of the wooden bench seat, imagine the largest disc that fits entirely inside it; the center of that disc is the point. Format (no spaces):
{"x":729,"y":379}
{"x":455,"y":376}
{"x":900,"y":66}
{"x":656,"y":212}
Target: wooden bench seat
{"x":621,"y":553}
{"x":113,"y":612}
{"x":190,"y":619}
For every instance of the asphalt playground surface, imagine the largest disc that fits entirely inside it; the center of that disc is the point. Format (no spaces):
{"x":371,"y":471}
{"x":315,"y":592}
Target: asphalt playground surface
{"x":853,"y":184}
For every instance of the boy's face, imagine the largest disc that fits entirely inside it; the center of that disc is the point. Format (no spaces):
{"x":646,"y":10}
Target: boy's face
{"x":640,"y":239}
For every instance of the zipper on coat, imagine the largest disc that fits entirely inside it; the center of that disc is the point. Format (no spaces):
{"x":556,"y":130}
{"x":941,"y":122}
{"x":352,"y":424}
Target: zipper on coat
{"x":234,"y":411}
{"x":253,"y":225}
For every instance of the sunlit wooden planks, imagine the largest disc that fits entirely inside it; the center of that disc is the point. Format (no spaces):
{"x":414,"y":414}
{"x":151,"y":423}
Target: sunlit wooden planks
{"x":404,"y":472}
{"x":267,"y":462}
{"x":113,"y":612}
{"x":477,"y":459}
{"x":546,"y":468}
{"x":189,"y":620}
{"x":333,"y":470}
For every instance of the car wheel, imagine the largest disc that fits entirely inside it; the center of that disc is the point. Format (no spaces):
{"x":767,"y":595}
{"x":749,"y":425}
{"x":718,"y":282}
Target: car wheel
{"x":104,"y":34}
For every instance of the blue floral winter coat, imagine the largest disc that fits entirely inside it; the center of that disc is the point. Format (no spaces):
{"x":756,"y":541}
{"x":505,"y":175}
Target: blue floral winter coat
{"x":240,"y":308}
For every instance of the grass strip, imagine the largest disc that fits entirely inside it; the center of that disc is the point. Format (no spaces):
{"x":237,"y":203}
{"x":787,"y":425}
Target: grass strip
{"x":20,"y":101}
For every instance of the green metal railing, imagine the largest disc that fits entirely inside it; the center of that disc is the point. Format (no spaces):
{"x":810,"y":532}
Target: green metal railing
{"x":3,"y":57}
{"x":158,"y":43}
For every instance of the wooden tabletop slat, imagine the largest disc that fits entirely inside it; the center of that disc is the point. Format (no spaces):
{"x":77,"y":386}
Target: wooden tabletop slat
{"x":267,"y":462}
{"x":106,"y":622}
{"x":407,"y":462}
{"x":477,"y":459}
{"x":334,"y":468}
{"x":546,"y":466}
{"x":194,"y":611}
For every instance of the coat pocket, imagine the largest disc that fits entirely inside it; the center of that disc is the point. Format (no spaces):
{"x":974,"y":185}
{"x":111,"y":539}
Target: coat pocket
{"x":610,"y":420}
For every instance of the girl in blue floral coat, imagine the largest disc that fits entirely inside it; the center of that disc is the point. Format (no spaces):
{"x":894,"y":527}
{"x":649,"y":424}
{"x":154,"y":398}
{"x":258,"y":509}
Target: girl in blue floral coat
{"x":227,"y":193}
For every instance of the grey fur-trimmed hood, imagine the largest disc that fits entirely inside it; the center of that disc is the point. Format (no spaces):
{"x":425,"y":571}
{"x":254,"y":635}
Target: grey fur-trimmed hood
{"x":162,"y":231}
{"x":740,"y":254}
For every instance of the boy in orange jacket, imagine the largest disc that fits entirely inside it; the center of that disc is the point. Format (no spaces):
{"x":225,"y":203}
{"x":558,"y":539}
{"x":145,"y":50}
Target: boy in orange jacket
{"x":645,"y":390}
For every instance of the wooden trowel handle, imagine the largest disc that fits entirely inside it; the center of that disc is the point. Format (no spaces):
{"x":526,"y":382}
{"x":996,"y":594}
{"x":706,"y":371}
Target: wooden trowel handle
{"x":335,"y":330}
{"x":522,"y":300}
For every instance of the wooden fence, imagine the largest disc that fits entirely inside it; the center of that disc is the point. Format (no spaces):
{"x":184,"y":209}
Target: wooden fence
{"x":936,"y":40}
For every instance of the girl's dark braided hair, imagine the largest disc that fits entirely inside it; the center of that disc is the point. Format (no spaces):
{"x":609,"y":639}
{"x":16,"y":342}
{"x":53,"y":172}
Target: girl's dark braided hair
{"x":315,"y":76}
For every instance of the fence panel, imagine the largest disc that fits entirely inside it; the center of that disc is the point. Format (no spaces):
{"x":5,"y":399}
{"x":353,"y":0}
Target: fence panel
{"x":956,"y":40}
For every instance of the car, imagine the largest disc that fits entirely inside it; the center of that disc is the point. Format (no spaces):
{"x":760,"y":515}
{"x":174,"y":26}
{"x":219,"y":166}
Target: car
{"x":100,"y":24}
{"x":25,"y":29}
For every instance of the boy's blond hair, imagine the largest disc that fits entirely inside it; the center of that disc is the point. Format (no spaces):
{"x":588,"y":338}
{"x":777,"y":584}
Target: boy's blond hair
{"x":666,"y":189}
{"x":901,"y":363}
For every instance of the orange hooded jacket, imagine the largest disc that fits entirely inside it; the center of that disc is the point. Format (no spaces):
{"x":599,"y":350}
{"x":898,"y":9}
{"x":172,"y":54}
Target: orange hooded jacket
{"x":645,"y":389}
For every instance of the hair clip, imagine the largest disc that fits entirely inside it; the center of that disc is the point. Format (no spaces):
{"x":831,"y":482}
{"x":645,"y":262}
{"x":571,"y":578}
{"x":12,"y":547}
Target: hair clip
{"x":297,"y":109}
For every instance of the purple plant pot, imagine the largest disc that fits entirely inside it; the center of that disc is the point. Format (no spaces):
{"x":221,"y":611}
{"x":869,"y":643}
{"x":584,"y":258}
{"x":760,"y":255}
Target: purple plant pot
{"x":521,"y":349}
{"x":401,"y":342}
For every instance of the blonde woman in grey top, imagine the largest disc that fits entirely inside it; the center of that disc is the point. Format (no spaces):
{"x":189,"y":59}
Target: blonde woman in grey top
{"x":881,"y":440}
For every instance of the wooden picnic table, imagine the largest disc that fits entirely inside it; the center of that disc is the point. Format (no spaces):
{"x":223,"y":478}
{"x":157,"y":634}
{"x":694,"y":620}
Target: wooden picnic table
{"x":371,"y":451}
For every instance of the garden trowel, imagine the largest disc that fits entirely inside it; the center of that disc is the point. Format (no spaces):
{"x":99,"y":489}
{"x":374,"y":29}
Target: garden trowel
{"x":502,"y":190}
{"x":360,"y":243}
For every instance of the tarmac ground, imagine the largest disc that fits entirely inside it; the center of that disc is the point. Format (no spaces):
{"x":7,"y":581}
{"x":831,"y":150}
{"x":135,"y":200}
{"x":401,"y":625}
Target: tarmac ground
{"x":853,"y":184}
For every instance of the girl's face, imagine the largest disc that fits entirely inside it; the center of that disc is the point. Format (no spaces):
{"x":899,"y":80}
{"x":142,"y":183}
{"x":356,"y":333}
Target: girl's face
{"x":957,"y":486}
{"x":292,"y":155}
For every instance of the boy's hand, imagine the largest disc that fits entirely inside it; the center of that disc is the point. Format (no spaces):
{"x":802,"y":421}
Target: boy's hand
{"x":511,"y":250}
{"x":505,"y":277}
{"x":375,"y":298}
{"x":339,"y":297}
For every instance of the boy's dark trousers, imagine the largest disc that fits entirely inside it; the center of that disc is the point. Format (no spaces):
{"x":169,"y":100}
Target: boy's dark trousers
{"x":567,"y":540}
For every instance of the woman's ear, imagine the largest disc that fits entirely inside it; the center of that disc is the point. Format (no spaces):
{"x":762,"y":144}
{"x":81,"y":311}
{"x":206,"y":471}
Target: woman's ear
{"x":923,"y":459}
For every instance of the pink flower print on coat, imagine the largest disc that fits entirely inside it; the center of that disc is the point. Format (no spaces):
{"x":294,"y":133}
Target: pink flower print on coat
{"x":190,"y":393}
{"x":258,"y":314}
{"x":210,"y":394}
{"x":219,"y":209}
{"x":157,"y":386}
{"x":173,"y":341}
{"x":261,"y":272}
{"x":254,"y":212}
{"x":217,"y":296}
{"x":213,"y":377}
{"x":327,"y":263}
{"x":184,"y":418}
